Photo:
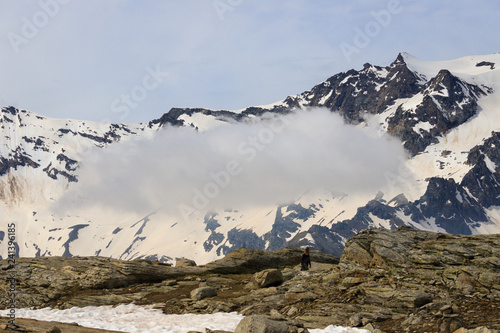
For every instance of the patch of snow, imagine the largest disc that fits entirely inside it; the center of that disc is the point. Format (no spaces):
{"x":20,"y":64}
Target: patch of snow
{"x":202,"y":121}
{"x":309,"y":238}
{"x":490,"y":164}
{"x":412,"y":103}
{"x":325,"y":98}
{"x":423,"y":125}
{"x":430,"y":224}
{"x":345,"y":80}
{"x":382,"y":73}
{"x":379,"y":223}
{"x":462,"y":67}
{"x":378,"y":86}
{"x":493,"y":227}
{"x":133,"y":318}
{"x":440,"y":108}
{"x":444,"y":91}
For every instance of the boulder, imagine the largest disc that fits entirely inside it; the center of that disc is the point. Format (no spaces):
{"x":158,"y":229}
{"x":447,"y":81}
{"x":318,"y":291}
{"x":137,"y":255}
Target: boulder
{"x":264,"y":324}
{"x":355,"y":320}
{"x":268,"y":278}
{"x":203,"y":292}
{"x":53,"y":329}
{"x":185,"y":263}
{"x":169,"y":283}
{"x":481,"y":329}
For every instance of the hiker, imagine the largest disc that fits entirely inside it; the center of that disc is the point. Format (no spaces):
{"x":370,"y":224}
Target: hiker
{"x":306,"y":260}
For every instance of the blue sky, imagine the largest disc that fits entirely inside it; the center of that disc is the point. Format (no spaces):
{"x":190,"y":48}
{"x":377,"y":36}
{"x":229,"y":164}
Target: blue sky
{"x":131,"y":61}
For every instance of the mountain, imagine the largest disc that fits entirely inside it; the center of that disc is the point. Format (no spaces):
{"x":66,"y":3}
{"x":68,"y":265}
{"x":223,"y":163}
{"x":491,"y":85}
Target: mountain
{"x":446,"y":115}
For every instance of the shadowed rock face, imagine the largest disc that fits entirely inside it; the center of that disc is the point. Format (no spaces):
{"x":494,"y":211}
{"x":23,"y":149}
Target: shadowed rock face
{"x":399,"y":280}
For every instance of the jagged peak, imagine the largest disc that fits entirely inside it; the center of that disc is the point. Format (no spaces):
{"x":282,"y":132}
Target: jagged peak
{"x":399,"y":59}
{"x":10,"y":109}
{"x":367,"y":65}
{"x":402,"y":58}
{"x":443,"y":75}
{"x":13,"y":111}
{"x":405,"y":63}
{"x":446,"y":79}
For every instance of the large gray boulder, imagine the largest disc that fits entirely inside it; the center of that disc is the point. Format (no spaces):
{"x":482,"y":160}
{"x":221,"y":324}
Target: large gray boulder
{"x":185,"y":263}
{"x":268,"y":278}
{"x":264,"y":324}
{"x":203,"y":292}
{"x":53,"y":329}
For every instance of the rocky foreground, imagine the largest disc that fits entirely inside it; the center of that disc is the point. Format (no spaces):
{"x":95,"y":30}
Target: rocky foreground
{"x":403,"y":280}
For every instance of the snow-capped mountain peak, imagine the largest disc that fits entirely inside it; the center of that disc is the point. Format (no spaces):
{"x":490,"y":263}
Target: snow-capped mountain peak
{"x":445,"y":113}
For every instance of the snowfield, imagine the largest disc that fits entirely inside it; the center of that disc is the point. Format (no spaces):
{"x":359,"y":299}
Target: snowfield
{"x":137,"y":319}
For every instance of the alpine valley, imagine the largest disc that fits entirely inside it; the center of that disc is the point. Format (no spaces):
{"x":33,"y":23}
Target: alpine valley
{"x":446,"y":115}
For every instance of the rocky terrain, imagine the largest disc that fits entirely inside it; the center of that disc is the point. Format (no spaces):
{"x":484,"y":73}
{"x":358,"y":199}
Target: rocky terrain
{"x":404,"y":280}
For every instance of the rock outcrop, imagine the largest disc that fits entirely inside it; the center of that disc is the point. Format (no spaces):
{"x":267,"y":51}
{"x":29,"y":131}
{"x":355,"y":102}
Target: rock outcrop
{"x":53,"y":281}
{"x":185,"y":263}
{"x":386,"y":281}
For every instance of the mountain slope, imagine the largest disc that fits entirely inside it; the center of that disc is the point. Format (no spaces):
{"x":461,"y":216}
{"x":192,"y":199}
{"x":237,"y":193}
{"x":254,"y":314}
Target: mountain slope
{"x":446,"y":115}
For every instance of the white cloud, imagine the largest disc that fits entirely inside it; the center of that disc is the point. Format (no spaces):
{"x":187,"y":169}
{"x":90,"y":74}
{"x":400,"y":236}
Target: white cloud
{"x":271,"y":161}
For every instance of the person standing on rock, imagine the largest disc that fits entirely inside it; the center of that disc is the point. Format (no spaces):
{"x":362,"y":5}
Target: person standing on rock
{"x":306,"y":260}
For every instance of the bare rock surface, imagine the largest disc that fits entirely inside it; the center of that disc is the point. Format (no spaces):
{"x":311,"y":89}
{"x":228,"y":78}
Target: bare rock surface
{"x":386,"y":281}
{"x":185,"y":263}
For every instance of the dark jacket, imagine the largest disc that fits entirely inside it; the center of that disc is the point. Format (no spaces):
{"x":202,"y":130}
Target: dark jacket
{"x":305,"y":262}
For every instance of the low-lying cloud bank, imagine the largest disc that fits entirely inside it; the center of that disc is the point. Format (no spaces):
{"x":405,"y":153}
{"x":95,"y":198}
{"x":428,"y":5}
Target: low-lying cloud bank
{"x":266,"y":161}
